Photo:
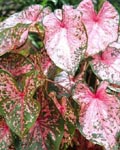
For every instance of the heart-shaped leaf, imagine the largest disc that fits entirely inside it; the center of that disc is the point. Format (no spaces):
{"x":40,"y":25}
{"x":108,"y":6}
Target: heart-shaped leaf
{"x":18,"y":106}
{"x":106,"y":66}
{"x":16,"y":64}
{"x":99,"y":116}
{"x":102,"y":28}
{"x":65,"y":38}
{"x":47,"y":132}
{"x":5,"y":136}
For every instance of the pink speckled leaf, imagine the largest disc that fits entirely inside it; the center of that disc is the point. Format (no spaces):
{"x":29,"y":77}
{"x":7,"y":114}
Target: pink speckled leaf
{"x":47,"y":132}
{"x":102,"y":28}
{"x":18,"y":106}
{"x":116,"y":44}
{"x":12,"y":38}
{"x":65,"y":38}
{"x":68,"y":113}
{"x":5,"y":136}
{"x":14,"y":30}
{"x":16,"y":64}
{"x":99,"y":117}
{"x":30,"y":15}
{"x":107,"y":65}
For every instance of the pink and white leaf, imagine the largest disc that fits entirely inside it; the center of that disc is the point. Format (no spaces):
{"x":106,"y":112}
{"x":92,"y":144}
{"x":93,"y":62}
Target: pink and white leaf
{"x":102,"y":27}
{"x":5,"y":136}
{"x":107,"y":65}
{"x":30,"y":15}
{"x":116,"y":44}
{"x":99,"y":116}
{"x":65,"y":38}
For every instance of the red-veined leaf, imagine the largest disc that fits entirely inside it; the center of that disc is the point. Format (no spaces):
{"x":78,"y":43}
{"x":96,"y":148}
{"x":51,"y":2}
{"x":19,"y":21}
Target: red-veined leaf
{"x":13,"y":38}
{"x":102,"y":28}
{"x":99,"y":116}
{"x":107,"y":65}
{"x":47,"y":132}
{"x":18,"y":106}
{"x":65,"y":38}
{"x":5,"y":136}
{"x":16,"y":64}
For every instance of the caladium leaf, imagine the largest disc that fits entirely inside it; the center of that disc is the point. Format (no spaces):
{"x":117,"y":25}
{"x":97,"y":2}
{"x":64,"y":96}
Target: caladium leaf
{"x":30,"y":15}
{"x":5,"y":136}
{"x":65,"y":108}
{"x":106,"y":65}
{"x":17,"y":106}
{"x":65,"y":38}
{"x":16,"y":64}
{"x":99,"y":117}
{"x":13,"y":38}
{"x":47,"y":132}
{"x":102,"y":28}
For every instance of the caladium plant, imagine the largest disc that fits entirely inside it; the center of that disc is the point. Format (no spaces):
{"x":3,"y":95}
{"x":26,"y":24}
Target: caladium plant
{"x":65,"y":81}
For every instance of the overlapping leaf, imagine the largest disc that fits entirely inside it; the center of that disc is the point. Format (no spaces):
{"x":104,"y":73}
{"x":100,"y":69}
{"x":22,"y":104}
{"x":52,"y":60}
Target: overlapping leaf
{"x":16,"y":64}
{"x":13,"y":38}
{"x":18,"y":106}
{"x":14,"y":30}
{"x":107,"y":65}
{"x":67,"y":111}
{"x":65,"y":38}
{"x":99,"y":117}
{"x":64,"y":80}
{"x":47,"y":132}
{"x":102,"y":28}
{"x":30,"y":15}
{"x":5,"y":136}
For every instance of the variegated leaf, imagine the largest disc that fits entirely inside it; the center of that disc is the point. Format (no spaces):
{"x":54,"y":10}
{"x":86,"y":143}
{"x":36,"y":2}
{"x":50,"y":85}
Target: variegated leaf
{"x":16,"y":64}
{"x":99,"y":116}
{"x":18,"y":106}
{"x":65,"y":38}
{"x":47,"y":132}
{"x":30,"y":15}
{"x":13,"y":38}
{"x":47,"y":65}
{"x":68,"y":113}
{"x":102,"y":28}
{"x":116,"y":44}
{"x":106,"y":66}
{"x":5,"y":136}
